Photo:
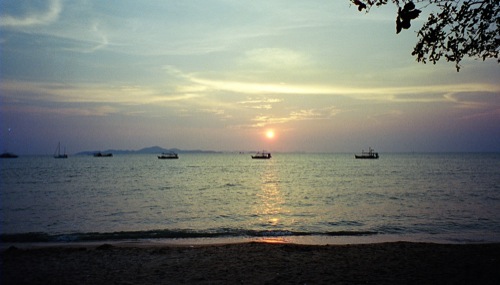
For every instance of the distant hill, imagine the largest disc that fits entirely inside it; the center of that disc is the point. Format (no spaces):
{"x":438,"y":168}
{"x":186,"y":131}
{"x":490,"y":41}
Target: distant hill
{"x":151,"y":149}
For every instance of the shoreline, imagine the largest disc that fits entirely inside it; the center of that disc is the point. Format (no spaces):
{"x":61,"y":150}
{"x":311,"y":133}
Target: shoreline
{"x":313,"y":240}
{"x":253,"y":263}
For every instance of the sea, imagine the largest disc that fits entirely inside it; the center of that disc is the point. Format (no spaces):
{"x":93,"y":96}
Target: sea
{"x":323,"y":198}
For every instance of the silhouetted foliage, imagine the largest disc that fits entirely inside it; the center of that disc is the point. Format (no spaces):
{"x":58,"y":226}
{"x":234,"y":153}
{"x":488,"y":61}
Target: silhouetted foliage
{"x":455,"y":29}
{"x":405,"y":15}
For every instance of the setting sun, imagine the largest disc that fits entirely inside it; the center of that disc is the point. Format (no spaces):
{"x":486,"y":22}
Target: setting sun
{"x":270,"y":134}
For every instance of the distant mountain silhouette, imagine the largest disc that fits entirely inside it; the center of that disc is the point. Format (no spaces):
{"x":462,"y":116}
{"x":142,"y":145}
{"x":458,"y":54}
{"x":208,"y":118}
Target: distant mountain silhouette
{"x":151,"y":149}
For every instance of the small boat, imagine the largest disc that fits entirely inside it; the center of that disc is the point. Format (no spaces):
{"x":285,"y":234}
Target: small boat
{"x":170,"y":155}
{"x":371,"y":154}
{"x":100,"y":154}
{"x":57,"y":153}
{"x":262,"y":155}
{"x":8,"y":155}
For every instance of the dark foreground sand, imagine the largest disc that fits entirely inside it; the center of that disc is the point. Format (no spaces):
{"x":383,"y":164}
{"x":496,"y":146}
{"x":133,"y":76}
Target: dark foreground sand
{"x":255,"y":263}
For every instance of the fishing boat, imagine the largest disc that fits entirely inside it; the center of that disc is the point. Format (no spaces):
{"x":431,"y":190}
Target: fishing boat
{"x":100,"y":154}
{"x":370,"y":154}
{"x":169,"y":155}
{"x":57,"y":153}
{"x":8,"y":155}
{"x":262,"y":155}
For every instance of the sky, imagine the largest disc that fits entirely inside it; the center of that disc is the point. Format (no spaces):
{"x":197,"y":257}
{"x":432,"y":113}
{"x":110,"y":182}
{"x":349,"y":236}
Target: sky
{"x":221,"y":74}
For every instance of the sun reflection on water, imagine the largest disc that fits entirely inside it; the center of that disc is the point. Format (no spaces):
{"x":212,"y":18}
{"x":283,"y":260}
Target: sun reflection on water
{"x":270,"y":209}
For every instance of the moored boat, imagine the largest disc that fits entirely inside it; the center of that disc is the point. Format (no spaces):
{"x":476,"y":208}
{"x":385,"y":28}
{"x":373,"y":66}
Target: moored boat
{"x":370,"y":154}
{"x":8,"y":155}
{"x":262,"y":155}
{"x":100,"y":154}
{"x":169,"y":155}
{"x":57,"y":153}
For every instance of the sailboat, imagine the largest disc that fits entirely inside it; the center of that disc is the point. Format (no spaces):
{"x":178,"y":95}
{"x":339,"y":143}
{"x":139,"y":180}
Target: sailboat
{"x":7,"y":154}
{"x":57,"y":153}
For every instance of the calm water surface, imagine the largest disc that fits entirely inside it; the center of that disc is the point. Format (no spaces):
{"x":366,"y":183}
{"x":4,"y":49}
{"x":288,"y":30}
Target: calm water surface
{"x":443,"y":197}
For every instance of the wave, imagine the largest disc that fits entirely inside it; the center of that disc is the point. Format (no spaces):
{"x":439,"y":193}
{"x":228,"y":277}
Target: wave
{"x":164,"y":234}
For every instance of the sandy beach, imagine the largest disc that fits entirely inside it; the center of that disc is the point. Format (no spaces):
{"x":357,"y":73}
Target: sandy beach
{"x":254,"y":263}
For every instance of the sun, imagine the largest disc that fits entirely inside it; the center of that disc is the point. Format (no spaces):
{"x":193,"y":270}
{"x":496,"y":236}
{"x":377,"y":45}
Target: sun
{"x":270,"y":134}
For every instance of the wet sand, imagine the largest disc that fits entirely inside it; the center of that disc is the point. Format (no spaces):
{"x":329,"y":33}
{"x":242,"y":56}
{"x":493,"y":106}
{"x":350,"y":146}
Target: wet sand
{"x":254,"y":263}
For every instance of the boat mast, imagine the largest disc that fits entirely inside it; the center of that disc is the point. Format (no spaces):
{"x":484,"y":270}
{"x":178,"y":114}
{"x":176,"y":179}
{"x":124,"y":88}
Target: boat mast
{"x":58,"y":149}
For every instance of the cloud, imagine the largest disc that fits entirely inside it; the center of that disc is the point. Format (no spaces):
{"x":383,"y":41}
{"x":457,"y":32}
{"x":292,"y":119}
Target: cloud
{"x":477,"y":105}
{"x":475,"y":100}
{"x":427,"y":93}
{"x":85,"y":111}
{"x":259,"y":88}
{"x":34,"y":18}
{"x":218,"y":112}
{"x":40,"y":93}
{"x":260,"y":103}
{"x":95,"y":45}
{"x":275,"y":58}
{"x":86,"y":100}
{"x":390,"y":115}
{"x":298,"y":115}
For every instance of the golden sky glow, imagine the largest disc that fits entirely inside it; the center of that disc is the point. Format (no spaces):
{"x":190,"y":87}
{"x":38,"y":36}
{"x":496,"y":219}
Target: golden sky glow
{"x":216,"y":74}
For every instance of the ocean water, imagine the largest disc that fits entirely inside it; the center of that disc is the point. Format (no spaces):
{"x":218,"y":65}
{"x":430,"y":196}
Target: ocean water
{"x":309,"y":198}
